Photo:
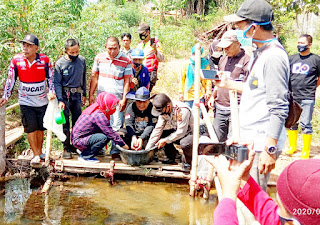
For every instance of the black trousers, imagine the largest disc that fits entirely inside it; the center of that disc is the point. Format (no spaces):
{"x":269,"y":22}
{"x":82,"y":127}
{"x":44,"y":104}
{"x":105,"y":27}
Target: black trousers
{"x":185,"y":144}
{"x":72,"y":105}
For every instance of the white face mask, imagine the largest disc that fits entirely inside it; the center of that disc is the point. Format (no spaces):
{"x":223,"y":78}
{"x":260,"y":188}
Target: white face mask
{"x":216,"y":55}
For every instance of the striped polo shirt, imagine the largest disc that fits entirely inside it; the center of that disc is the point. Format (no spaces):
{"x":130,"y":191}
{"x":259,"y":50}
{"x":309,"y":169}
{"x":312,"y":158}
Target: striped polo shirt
{"x":112,"y":72}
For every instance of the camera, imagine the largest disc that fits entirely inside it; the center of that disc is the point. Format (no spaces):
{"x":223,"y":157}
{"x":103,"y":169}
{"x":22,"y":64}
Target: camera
{"x":236,"y":152}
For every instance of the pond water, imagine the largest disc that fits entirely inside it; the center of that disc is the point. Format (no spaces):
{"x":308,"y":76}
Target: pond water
{"x":94,"y":201}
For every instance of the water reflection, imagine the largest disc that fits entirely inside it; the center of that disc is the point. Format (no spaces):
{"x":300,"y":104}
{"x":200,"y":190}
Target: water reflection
{"x":17,"y":193}
{"x":95,"y":201}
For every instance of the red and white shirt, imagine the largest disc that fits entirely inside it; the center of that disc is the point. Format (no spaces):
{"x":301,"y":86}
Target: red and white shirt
{"x":32,"y":80}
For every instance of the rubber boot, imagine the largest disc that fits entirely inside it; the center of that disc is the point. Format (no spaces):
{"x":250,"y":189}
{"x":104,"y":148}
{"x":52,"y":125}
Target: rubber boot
{"x":306,"y":146}
{"x":292,"y":136}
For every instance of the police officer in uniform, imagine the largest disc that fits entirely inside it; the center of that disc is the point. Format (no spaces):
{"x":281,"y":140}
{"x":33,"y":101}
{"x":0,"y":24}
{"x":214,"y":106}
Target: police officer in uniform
{"x":175,"y":125}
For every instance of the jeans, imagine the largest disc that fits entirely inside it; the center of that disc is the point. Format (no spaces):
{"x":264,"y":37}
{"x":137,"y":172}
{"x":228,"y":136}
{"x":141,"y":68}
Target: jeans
{"x":116,"y":122}
{"x":190,"y":102}
{"x":222,"y":124}
{"x":307,"y":106}
{"x":72,"y":104}
{"x":94,"y":144}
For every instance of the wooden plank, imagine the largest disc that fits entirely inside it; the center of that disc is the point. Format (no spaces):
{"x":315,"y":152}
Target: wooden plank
{"x":2,"y":140}
{"x":13,"y":136}
{"x":12,"y":107}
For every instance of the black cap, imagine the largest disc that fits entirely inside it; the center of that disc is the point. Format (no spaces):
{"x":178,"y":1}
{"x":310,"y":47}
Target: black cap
{"x":159,"y":102}
{"x":256,"y":10}
{"x":143,"y":27}
{"x":31,"y":39}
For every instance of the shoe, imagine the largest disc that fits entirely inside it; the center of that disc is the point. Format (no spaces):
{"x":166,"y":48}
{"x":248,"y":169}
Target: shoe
{"x":89,"y":160}
{"x":169,"y":161}
{"x":43,"y":156}
{"x":35,"y":160}
{"x":186,"y":167}
{"x":292,"y":136}
{"x":116,"y":157}
{"x":67,"y":155}
{"x":306,"y":138}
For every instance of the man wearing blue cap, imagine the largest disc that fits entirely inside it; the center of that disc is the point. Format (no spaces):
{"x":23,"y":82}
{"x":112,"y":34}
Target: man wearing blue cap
{"x":139,"y":120}
{"x":264,"y":102}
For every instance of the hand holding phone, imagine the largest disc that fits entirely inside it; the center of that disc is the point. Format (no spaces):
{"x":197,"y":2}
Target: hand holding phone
{"x":152,"y":41}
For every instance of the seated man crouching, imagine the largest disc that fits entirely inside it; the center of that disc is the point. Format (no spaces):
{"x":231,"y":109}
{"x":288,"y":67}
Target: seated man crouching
{"x":139,"y":120}
{"x":93,"y":131}
{"x":175,"y":124}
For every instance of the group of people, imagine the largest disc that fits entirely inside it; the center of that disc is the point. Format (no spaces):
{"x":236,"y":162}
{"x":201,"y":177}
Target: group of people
{"x":262,"y":82}
{"x":116,"y":73}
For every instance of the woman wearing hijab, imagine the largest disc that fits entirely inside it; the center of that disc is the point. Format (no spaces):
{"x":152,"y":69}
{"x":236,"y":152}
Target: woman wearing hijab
{"x":92,"y":130}
{"x":186,"y":85}
{"x":214,"y":55}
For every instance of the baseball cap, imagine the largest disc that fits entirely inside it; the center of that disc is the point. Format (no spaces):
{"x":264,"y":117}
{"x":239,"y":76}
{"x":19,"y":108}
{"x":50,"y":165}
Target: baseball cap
{"x":227,"y":39}
{"x":256,"y":10}
{"x":143,"y":27}
{"x":298,"y":188}
{"x":31,"y":39}
{"x":142,"y":94}
{"x":159,"y":102}
{"x":137,"y":54}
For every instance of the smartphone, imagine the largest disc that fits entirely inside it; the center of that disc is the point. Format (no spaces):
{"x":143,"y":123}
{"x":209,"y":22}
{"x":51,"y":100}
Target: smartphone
{"x":210,"y":74}
{"x":151,"y":41}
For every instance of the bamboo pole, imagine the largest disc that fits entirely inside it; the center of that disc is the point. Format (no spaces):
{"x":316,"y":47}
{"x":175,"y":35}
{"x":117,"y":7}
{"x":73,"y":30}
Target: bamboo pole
{"x":196,"y":114}
{"x":2,"y":140}
{"x":47,"y":185}
{"x":206,"y":118}
{"x":12,"y":107}
{"x":48,"y":140}
{"x":234,"y":115}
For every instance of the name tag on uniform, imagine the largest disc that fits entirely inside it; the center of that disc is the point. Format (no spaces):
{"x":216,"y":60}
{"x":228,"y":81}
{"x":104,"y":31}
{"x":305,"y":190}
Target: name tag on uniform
{"x":239,"y":65}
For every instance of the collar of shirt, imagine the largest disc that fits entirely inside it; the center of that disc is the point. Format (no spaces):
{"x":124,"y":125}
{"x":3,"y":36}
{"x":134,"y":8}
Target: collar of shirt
{"x":34,"y":61}
{"x":117,"y":57}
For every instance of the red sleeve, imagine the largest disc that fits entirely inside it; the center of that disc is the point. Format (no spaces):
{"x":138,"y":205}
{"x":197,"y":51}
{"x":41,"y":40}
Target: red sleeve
{"x":259,"y":203}
{"x":226,"y":213}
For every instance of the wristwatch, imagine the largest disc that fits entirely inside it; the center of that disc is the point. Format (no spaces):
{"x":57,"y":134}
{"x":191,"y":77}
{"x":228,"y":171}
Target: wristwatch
{"x":271,"y":149}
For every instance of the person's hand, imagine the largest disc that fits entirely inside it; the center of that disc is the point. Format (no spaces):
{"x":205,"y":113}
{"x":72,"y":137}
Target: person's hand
{"x":51,"y":96}
{"x":91,"y":99}
{"x":135,"y":81}
{"x":267,"y":162}
{"x":222,"y":83}
{"x":122,"y":104}
{"x":181,"y":98}
{"x":211,"y":102}
{"x":231,"y":173}
{"x":154,"y":46}
{"x":61,"y":105}
{"x":2,"y":101}
{"x":125,"y":147}
{"x":133,"y":142}
{"x":207,"y":97}
{"x":84,"y":100}
{"x":136,"y":144}
{"x":161,"y":143}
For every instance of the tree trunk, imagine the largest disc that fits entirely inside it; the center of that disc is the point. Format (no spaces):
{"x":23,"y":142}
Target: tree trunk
{"x":200,"y":7}
{"x":2,"y":140}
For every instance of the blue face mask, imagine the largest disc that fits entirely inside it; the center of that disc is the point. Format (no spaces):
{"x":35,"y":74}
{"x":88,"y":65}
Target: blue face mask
{"x":242,"y":38}
{"x":245,"y":41}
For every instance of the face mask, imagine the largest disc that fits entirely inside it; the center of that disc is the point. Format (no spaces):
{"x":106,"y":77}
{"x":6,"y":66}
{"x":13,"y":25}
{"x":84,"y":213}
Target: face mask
{"x":242,"y":38}
{"x":142,"y":37}
{"x":302,"y":48}
{"x":216,"y":55}
{"x":72,"y":57}
{"x":137,"y":65}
